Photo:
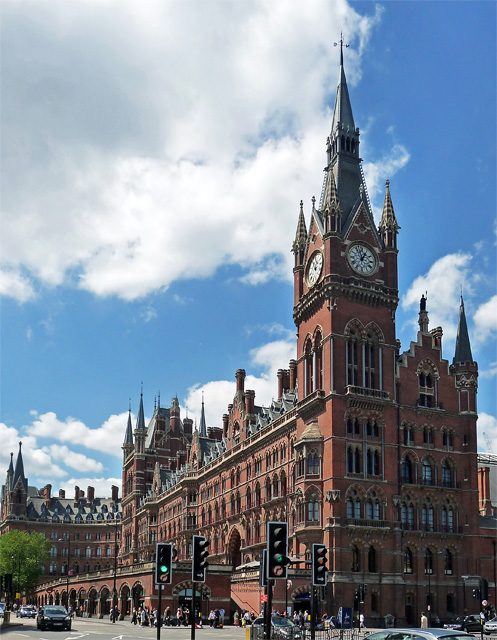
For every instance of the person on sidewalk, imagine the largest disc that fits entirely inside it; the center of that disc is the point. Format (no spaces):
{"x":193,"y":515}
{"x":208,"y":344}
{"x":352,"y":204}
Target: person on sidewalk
{"x":424,"y":621}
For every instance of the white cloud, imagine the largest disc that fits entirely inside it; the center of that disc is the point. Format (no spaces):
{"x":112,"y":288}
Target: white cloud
{"x":14,"y":285}
{"x":376,"y":174}
{"x":487,"y":426}
{"x":107,"y":438}
{"x":219,"y":393}
{"x":33,"y":457}
{"x":443,"y":283}
{"x":101,"y":485}
{"x":485,"y":320}
{"x":124,"y":154}
{"x":74,"y":460}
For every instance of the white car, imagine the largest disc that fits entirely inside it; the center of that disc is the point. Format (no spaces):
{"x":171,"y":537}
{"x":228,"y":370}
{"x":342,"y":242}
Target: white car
{"x":490,"y":626}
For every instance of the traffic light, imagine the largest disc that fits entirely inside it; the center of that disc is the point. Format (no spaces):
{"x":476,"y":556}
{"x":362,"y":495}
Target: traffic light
{"x":263,"y":569}
{"x":199,"y":562}
{"x":476,"y":594}
{"x":319,"y":567}
{"x":363,"y":589}
{"x":277,"y":550}
{"x":483,"y":588}
{"x":163,"y":563}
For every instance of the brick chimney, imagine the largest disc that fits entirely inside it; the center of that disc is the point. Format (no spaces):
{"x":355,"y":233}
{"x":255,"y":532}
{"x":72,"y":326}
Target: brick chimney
{"x":62,"y":493}
{"x":240,"y":379}
{"x":114,"y":493}
{"x":90,"y":495}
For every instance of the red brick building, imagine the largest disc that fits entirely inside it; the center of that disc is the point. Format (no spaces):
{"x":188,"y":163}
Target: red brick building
{"x":368,"y":449}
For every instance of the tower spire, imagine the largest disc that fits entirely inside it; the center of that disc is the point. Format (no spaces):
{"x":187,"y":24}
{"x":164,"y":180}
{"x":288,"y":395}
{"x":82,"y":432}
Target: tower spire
{"x":203,"y":425}
{"x":19,"y":470}
{"x":388,"y":224}
{"x":463,"y":347}
{"x":128,"y":438}
{"x":140,"y":421}
{"x":344,"y":162}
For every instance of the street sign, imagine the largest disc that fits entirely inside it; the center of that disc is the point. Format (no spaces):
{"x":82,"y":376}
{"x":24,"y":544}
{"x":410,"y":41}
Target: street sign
{"x":484,"y":602}
{"x":264,"y":598}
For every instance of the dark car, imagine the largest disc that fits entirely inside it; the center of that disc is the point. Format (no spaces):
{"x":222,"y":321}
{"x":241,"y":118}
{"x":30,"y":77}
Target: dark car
{"x":465,"y":623}
{"x":53,"y":617}
{"x":27,"y":612}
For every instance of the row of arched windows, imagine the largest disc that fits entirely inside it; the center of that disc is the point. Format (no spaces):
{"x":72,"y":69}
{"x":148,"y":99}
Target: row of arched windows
{"x":427,"y":518}
{"x":354,"y":461}
{"x":431,"y":475}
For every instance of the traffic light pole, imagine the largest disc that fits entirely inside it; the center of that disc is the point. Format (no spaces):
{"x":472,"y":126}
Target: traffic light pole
{"x":313,"y":612}
{"x":159,"y":607}
{"x":194,"y":610}
{"x":268,"y":610}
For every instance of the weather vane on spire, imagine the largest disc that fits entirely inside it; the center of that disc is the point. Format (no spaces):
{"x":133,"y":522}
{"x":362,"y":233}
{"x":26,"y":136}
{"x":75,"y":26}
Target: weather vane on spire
{"x":342,"y":44}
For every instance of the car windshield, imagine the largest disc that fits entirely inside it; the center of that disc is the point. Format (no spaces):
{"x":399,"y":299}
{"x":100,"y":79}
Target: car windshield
{"x":50,"y":611}
{"x":282,"y":622}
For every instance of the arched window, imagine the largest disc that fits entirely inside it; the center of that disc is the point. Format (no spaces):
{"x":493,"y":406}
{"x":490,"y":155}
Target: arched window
{"x":88,"y":552}
{"x":357,"y":460}
{"x":427,"y":473}
{"x":408,"y":563}
{"x":408,"y":436}
{"x":369,"y":363}
{"x":350,"y":508}
{"x":407,"y":516}
{"x":309,"y":369}
{"x":318,"y":360}
{"x":407,"y":470}
{"x":372,"y":568}
{"x":426,"y":389}
{"x":447,"y":519}
{"x":356,"y":559}
{"x":53,"y":552}
{"x":448,"y":440}
{"x":313,"y":508}
{"x":268,"y":490}
{"x":249,"y":498}
{"x":448,"y":562}
{"x":99,"y":552}
{"x":313,"y":463}
{"x":427,"y":515}
{"x":352,"y":358}
{"x":446,"y":475}
{"x":350,"y":460}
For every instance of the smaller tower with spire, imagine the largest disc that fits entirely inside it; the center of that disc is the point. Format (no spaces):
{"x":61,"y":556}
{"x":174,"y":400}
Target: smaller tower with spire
{"x":466,"y":371}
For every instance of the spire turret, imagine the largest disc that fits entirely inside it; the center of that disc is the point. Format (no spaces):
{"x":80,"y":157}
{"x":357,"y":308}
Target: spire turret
{"x":140,"y":420}
{"x":388,"y":224}
{"x":301,"y":235}
{"x":19,"y":470}
{"x":203,"y":425}
{"x":128,"y":438}
{"x":463,"y":347}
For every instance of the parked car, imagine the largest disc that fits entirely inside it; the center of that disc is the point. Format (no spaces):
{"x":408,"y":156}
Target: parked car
{"x":27,"y":612}
{"x":53,"y":617}
{"x":490,"y":626}
{"x":282,"y":627}
{"x":2,"y":609}
{"x":419,"y":634}
{"x":465,"y":623}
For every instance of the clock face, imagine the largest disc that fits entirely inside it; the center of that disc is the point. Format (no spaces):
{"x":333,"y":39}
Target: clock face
{"x":315,"y":267}
{"x":362,"y":259}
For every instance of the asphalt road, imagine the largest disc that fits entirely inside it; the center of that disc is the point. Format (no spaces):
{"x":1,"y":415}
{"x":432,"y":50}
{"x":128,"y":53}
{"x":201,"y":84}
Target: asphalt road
{"x":94,"y":629}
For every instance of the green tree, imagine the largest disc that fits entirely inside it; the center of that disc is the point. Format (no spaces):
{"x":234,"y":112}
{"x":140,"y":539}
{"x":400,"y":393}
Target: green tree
{"x":23,"y":554}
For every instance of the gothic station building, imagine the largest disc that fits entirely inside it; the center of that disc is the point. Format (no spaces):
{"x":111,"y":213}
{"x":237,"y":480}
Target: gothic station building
{"x":367,"y":449}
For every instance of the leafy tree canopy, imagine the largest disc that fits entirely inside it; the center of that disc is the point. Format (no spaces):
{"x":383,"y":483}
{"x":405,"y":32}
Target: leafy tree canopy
{"x":23,"y":554}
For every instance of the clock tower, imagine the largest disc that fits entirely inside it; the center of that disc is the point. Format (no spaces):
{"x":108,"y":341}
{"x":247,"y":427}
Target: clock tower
{"x":345,"y":276}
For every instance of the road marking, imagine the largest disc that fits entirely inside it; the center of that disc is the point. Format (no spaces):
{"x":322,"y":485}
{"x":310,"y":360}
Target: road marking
{"x":118,"y":638}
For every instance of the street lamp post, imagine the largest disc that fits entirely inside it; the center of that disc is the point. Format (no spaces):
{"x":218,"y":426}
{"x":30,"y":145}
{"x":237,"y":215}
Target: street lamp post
{"x":114,"y":593}
{"x":68,"y":540}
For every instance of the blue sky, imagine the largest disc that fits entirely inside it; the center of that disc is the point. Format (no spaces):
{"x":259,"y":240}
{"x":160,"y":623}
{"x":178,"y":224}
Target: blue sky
{"x":153,"y":159}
